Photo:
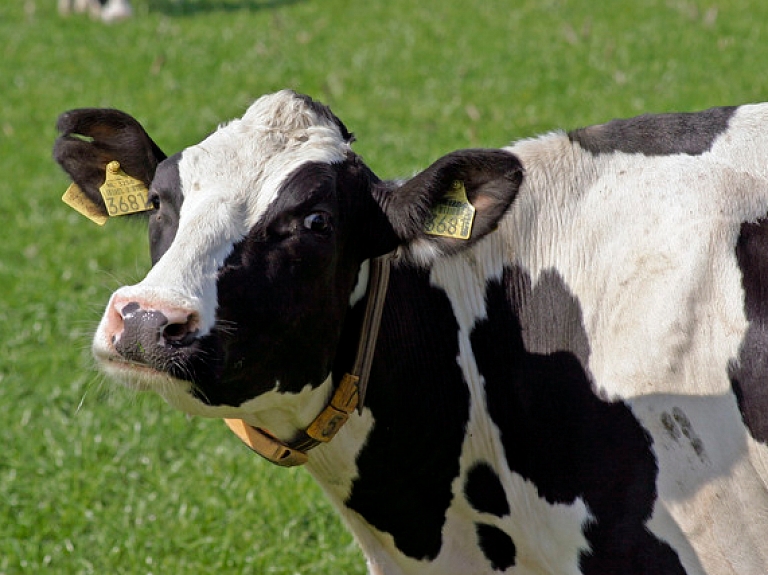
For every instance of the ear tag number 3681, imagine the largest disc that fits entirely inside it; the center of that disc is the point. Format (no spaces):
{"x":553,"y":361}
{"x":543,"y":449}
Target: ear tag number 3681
{"x":123,"y":194}
{"x":453,"y":215}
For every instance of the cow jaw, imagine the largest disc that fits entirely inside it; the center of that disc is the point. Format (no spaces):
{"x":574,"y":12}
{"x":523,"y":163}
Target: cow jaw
{"x":283,"y":414}
{"x":171,"y":376}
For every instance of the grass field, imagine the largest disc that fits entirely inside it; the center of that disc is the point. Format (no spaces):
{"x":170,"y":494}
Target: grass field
{"x":95,"y":480}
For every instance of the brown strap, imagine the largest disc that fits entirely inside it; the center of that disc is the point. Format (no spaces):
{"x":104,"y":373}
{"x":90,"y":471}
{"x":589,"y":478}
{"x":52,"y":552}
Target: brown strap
{"x":378,"y":282}
{"x":269,"y":447}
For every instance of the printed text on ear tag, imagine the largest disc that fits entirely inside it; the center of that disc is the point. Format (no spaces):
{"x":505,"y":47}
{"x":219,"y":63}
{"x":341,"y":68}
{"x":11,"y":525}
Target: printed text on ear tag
{"x":76,"y":199}
{"x":123,"y":194}
{"x":453,"y":215}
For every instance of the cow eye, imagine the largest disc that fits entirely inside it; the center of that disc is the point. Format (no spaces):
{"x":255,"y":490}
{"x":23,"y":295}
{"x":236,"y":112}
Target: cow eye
{"x":154,"y":200}
{"x":319,"y":223}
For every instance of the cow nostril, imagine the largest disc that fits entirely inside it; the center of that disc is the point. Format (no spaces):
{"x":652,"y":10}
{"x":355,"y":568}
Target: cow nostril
{"x":130,"y":309}
{"x":181,"y":334}
{"x":175,"y":331}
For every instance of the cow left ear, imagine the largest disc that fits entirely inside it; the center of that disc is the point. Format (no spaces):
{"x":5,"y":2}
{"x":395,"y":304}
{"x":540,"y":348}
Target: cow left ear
{"x":454,"y":202}
{"x":97,"y":144}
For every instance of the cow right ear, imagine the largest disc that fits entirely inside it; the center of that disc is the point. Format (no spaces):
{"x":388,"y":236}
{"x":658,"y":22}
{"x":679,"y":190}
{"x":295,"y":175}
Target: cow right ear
{"x":91,"y":138}
{"x":452,"y":204}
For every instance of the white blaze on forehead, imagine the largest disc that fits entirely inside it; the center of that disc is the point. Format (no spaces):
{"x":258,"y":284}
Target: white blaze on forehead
{"x":228,"y":181}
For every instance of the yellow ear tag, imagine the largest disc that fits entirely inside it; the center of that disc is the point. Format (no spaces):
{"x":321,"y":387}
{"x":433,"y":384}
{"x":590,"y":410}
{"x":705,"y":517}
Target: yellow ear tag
{"x":123,"y":194}
{"x":453,"y":215}
{"x":76,"y":199}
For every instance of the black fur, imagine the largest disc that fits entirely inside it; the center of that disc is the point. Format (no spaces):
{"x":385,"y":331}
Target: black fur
{"x":690,"y":133}
{"x":748,"y":372}
{"x":560,"y":435}
{"x":484,"y":491}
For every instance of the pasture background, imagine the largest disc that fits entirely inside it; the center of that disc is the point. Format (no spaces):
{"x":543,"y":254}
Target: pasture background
{"x":100,"y":481}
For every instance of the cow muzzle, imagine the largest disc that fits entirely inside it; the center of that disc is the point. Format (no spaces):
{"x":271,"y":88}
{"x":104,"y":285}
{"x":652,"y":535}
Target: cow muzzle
{"x":149,"y":333}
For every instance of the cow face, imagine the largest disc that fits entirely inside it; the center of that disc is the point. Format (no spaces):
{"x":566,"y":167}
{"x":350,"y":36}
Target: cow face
{"x":259,"y":238}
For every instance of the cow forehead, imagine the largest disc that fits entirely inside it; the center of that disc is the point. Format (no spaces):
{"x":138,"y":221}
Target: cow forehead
{"x":244,"y":163}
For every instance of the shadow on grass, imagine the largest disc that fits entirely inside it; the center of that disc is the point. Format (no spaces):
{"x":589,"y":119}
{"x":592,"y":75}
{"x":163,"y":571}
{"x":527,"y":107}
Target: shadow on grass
{"x":192,"y":7}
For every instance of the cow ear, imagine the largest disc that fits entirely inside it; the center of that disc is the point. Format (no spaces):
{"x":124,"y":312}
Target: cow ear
{"x":453,"y":203}
{"x":90,"y":138}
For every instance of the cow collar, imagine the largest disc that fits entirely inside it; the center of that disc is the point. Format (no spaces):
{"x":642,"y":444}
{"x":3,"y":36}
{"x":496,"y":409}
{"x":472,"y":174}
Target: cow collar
{"x":349,"y":395}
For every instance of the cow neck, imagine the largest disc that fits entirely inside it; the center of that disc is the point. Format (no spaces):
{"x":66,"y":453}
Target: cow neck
{"x":348,"y":396}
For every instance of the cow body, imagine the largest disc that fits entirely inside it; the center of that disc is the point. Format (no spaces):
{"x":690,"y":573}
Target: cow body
{"x":580,"y":387}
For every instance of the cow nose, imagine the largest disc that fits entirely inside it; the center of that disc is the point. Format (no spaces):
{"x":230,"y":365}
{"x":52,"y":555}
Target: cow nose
{"x":145,"y":332}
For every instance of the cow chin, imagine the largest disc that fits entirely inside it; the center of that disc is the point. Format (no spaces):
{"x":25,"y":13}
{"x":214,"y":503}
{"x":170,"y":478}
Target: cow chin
{"x":140,"y":377}
{"x":185,"y":393}
{"x":178,"y":393}
{"x":134,"y":376}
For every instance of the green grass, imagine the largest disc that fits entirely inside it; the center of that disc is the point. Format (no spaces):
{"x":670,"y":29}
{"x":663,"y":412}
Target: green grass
{"x":100,"y":481}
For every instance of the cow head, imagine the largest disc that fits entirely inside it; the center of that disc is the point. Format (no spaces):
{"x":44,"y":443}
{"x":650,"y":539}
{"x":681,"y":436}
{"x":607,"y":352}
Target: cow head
{"x":259,"y":237}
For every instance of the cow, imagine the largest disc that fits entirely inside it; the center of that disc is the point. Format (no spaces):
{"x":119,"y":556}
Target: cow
{"x":104,"y":10}
{"x":548,"y":358}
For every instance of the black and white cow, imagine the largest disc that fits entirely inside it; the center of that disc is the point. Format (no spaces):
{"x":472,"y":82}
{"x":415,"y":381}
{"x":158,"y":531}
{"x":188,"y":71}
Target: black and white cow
{"x":577,"y":387}
{"x":104,"y":10}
